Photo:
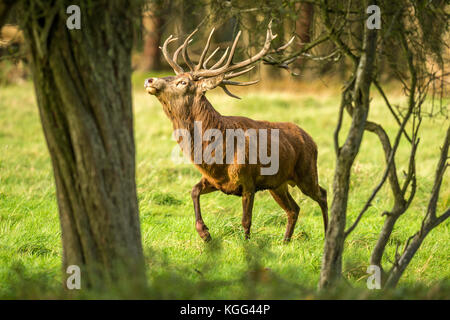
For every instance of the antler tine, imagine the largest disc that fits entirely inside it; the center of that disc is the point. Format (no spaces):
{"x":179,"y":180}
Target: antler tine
{"x":236,"y":74}
{"x":205,"y":64}
{"x":233,"y":48}
{"x":171,"y":62}
{"x":215,"y":72}
{"x":205,"y":50}
{"x":227,"y":67}
{"x":285,"y":46}
{"x":186,"y":58}
{"x":222,"y":59}
{"x":177,"y":52}
{"x":260,"y":54}
{"x":236,"y":83}
{"x":225,"y":89}
{"x":230,"y":56}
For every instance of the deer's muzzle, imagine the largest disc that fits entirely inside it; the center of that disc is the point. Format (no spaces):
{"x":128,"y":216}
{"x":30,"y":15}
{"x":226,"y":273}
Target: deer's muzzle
{"x":151,"y":85}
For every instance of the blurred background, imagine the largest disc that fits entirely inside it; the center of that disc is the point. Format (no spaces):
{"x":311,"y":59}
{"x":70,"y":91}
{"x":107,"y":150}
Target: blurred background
{"x":320,"y":66}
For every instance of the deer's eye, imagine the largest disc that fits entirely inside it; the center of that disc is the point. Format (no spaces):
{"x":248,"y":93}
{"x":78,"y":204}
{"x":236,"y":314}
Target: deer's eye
{"x":181,"y":83}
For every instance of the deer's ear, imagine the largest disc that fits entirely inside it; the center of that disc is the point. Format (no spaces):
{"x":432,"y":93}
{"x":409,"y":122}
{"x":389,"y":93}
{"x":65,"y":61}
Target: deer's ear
{"x":209,"y":83}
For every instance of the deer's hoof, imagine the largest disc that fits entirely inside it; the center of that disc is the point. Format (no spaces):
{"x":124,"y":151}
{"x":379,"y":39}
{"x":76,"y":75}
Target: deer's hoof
{"x":203,"y":231}
{"x":206,"y":237}
{"x":204,"y":234}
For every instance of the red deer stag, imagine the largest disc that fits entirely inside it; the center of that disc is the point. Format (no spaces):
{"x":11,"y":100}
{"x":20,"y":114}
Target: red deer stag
{"x":184,"y":102}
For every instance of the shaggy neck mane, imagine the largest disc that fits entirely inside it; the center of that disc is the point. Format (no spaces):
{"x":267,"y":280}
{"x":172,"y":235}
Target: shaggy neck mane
{"x":183,"y":117}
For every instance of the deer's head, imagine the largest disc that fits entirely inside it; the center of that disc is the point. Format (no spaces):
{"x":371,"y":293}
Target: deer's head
{"x":184,"y":87}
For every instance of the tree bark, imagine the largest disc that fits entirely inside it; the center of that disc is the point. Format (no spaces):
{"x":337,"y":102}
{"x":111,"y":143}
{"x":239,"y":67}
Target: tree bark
{"x":83,"y":89}
{"x":334,"y":242}
{"x":383,"y":238}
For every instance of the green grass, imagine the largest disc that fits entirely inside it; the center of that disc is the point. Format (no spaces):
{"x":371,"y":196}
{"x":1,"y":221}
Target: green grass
{"x":180,"y":264}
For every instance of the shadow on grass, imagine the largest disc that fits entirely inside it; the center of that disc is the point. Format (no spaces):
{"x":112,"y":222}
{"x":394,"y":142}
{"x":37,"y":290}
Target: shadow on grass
{"x":195,"y":281}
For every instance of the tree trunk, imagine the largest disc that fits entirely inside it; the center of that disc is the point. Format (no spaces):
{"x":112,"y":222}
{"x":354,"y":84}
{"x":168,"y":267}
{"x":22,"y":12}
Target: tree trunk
{"x":152,"y":25}
{"x":83,"y":88}
{"x":334,"y":242}
{"x":303,"y":28}
{"x":383,"y":239}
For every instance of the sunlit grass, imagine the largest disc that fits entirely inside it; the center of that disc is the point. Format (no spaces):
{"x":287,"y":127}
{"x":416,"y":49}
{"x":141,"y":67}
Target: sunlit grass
{"x":177,"y":259}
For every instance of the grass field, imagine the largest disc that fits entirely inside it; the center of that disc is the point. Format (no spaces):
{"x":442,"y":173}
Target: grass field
{"x":180,"y":264}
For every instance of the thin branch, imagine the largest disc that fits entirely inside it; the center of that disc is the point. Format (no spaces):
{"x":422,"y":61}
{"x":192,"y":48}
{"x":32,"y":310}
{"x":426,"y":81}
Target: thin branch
{"x":441,"y":168}
{"x":386,"y":100}
{"x":333,"y":34}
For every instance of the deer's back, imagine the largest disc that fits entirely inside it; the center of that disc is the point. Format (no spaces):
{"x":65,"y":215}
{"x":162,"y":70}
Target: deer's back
{"x":296,"y":148}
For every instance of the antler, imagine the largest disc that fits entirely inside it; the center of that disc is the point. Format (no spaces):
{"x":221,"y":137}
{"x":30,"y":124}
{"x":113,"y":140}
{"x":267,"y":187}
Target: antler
{"x":172,"y":62}
{"x":184,"y":52}
{"x":200,"y":70}
{"x":205,"y":50}
{"x":228,"y":66}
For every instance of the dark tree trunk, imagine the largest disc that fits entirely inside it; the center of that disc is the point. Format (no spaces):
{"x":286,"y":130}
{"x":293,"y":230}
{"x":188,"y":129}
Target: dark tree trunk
{"x":83,"y":89}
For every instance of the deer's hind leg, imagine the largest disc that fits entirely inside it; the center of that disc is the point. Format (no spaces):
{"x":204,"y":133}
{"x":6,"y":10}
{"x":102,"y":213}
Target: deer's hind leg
{"x":288,"y":204}
{"x":200,"y":188}
{"x":309,"y":185}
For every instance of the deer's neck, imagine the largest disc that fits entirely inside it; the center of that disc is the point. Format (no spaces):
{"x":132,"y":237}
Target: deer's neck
{"x":200,"y":115}
{"x":200,"y":110}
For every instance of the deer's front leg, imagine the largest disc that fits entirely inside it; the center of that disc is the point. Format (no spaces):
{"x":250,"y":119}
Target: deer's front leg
{"x":200,"y":188}
{"x":247,"y":208}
